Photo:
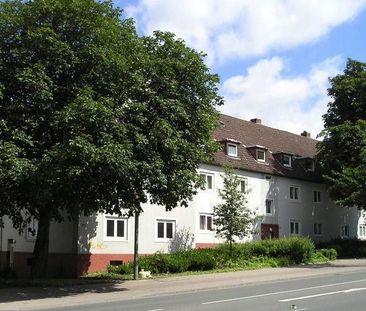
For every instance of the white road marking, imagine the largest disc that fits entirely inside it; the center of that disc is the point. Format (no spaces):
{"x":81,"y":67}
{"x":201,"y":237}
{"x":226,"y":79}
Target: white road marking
{"x":156,"y":310}
{"x":281,"y":292}
{"x":351,"y":290}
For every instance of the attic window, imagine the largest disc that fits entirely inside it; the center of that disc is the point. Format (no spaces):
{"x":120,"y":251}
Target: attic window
{"x":309,"y":165}
{"x":261,"y":155}
{"x":232,"y":150}
{"x":286,"y":160}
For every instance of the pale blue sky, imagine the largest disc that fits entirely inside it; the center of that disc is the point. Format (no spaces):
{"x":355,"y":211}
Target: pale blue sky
{"x":274,"y":57}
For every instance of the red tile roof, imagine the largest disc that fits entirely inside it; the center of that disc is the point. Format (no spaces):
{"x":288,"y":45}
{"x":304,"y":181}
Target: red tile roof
{"x":249,"y":134}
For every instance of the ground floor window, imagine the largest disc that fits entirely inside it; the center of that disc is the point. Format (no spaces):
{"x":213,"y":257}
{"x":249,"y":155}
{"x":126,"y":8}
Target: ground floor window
{"x":318,"y":229}
{"x":165,"y":229}
{"x":345,"y":231}
{"x":294,"y":227}
{"x":32,"y":229}
{"x":269,"y":207}
{"x":206,"y":222}
{"x":115,"y":228}
{"x":362,"y":230}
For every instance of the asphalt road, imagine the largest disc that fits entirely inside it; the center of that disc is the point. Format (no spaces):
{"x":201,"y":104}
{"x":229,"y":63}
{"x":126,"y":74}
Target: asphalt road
{"x":344,"y":291}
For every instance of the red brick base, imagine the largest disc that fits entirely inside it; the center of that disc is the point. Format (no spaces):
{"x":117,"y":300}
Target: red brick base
{"x":59,"y":264}
{"x":99,"y":262}
{"x":206,"y":245}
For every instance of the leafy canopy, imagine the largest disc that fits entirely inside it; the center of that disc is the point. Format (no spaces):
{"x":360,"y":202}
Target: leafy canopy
{"x":94,"y":117}
{"x":233,"y":219}
{"x":342,"y":153}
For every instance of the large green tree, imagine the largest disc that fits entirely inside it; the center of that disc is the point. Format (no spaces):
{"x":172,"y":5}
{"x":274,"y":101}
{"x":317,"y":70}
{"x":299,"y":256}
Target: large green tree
{"x":233,"y":218}
{"x":94,"y":118}
{"x":342,"y":153}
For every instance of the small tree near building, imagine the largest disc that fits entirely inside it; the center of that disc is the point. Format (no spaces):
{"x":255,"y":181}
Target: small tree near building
{"x":233,"y":219}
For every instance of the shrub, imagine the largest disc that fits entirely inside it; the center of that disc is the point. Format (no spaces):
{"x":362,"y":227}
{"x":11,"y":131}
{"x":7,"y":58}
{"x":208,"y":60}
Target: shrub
{"x":346,"y":248}
{"x":329,"y":253}
{"x":201,"y":260}
{"x":121,"y":269}
{"x":156,"y":263}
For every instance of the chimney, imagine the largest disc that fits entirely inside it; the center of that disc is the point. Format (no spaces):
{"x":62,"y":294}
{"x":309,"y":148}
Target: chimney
{"x":305,"y":134}
{"x":256,"y":120}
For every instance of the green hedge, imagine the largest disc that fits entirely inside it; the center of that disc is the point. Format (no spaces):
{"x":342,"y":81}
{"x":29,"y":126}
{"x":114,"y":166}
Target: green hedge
{"x":346,"y":248}
{"x":272,"y":253}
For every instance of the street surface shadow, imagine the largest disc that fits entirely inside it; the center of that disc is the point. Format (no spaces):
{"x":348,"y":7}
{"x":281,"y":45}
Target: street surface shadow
{"x":28,"y":293}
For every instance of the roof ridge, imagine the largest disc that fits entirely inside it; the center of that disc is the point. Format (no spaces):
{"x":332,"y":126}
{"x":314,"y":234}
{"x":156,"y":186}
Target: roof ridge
{"x":269,"y":127}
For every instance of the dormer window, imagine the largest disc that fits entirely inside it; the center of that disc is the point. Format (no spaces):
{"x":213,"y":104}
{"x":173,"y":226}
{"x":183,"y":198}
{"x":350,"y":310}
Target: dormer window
{"x":261,"y":155}
{"x":309,"y":165}
{"x":286,"y":160}
{"x":258,"y":152}
{"x":232,"y":149}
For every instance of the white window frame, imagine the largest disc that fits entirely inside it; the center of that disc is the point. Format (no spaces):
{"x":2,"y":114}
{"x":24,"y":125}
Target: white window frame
{"x":236,"y":149}
{"x":32,"y":229}
{"x":318,"y":229}
{"x":206,"y":217}
{"x":115,"y":238}
{"x":344,"y":230}
{"x":165,"y":221}
{"x":289,"y":164}
{"x":206,"y":175}
{"x":298,"y":193}
{"x":317,"y":196}
{"x":295,"y":221}
{"x":271,"y":207}
{"x":362,"y":230}
{"x":264,"y":155}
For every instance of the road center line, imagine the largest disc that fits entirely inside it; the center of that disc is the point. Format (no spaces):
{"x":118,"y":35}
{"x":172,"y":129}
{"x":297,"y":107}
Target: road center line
{"x":282,"y":292}
{"x":352,"y":290}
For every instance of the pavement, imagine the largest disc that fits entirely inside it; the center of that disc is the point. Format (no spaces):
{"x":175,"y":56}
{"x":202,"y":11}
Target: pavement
{"x":48,"y":298}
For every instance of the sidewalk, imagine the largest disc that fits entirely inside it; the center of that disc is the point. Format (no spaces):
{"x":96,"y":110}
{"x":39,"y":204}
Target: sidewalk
{"x":41,"y":298}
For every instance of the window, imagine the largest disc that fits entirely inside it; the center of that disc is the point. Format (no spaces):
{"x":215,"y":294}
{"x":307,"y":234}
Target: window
{"x":206,"y":222}
{"x":362,"y":230}
{"x":294,"y":193}
{"x":232,"y":150}
{"x":345,"y":231}
{"x":115,"y":228}
{"x":208,"y":178}
{"x":269,"y":207}
{"x":243,"y":185}
{"x":32,"y":229}
{"x":261,"y":155}
{"x":286,"y":160}
{"x":165,"y":229}
{"x":318,"y":229}
{"x":309,"y":165}
{"x":317,"y":196}
{"x":294,"y":227}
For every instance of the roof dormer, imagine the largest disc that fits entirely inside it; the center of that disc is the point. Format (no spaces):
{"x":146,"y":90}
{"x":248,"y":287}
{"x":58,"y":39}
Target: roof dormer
{"x":308,"y":163}
{"x":284,"y":158}
{"x":231,"y":147}
{"x":258,"y":152}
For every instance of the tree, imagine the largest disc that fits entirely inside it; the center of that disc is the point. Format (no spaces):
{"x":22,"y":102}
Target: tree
{"x":233,"y":219}
{"x":94,"y":118}
{"x":342,"y":153}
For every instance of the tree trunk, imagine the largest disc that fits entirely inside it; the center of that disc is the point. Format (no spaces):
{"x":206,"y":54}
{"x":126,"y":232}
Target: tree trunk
{"x":136,"y":248}
{"x":40,"y":252}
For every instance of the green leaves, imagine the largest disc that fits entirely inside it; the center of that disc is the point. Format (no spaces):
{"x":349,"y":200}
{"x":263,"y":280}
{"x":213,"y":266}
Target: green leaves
{"x":93,"y":117}
{"x":342,"y":153}
{"x":233,"y":218}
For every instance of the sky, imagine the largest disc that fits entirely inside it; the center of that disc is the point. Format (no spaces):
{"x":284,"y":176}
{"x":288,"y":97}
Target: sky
{"x":274,"y":57}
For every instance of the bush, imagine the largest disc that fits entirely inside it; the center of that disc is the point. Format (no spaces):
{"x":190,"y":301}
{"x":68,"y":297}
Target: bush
{"x":120,"y":269}
{"x":329,"y":253}
{"x":346,"y":248}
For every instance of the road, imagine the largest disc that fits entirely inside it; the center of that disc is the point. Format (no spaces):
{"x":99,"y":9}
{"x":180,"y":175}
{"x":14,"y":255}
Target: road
{"x":340,"y":292}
